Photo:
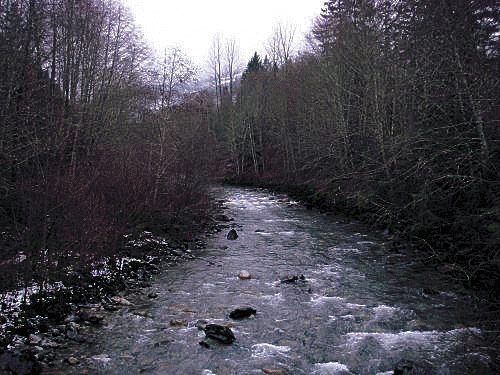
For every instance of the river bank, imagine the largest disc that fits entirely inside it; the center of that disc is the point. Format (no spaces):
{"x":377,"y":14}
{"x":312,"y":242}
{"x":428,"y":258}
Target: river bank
{"x":35,"y":325}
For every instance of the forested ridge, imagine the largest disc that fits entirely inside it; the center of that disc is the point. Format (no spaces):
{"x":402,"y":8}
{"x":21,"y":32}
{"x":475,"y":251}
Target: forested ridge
{"x":389,"y":115}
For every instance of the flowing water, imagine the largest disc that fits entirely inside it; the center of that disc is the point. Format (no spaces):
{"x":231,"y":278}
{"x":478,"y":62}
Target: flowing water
{"x":361,"y":310}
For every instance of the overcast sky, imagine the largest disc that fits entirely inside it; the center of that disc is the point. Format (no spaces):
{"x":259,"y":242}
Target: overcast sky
{"x":192,"y":24}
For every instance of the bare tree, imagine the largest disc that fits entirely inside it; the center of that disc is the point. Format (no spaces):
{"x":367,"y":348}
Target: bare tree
{"x":175,"y":73}
{"x":215,"y":61}
{"x":232,"y":58}
{"x":280,"y":45}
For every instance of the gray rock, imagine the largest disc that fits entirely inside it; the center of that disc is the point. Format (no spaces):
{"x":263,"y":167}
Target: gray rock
{"x":219,"y":333}
{"x":232,"y":235}
{"x":34,"y":339}
{"x":72,"y":330}
{"x":72,"y":361}
{"x":242,"y":312}
{"x":293,"y":279}
{"x":91,"y":316}
{"x":201,"y":324}
{"x":49,"y":344}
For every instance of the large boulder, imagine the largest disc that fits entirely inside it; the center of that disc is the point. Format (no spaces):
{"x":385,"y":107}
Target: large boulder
{"x":219,"y":333}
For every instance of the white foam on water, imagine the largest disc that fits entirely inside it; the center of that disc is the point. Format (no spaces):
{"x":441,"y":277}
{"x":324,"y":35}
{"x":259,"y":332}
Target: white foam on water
{"x":420,"y":339}
{"x":287,"y":233}
{"x":348,"y":317}
{"x":187,"y":329}
{"x":319,"y":300}
{"x":208,"y":372}
{"x":395,"y":340}
{"x":355,"y":306}
{"x":273,"y":299}
{"x":101,"y":358}
{"x":272,"y":283}
{"x":383,"y":312}
{"x":312,"y":280}
{"x":142,"y":339}
{"x":338,"y":249}
{"x":268,"y":350}
{"x":330,"y":368}
{"x":281,"y":220}
{"x":182,"y":292}
{"x":329,"y":269}
{"x":461,"y":331}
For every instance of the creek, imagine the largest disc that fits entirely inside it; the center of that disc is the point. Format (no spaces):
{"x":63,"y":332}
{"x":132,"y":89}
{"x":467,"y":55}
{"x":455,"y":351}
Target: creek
{"x":362,"y":308}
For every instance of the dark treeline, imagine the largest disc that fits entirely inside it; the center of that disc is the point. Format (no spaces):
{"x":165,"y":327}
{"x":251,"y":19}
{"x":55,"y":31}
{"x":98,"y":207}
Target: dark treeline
{"x":96,"y":137}
{"x":391,"y":116}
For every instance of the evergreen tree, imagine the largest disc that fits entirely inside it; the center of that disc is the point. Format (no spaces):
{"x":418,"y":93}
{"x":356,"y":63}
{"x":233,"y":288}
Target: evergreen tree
{"x":255,"y":64}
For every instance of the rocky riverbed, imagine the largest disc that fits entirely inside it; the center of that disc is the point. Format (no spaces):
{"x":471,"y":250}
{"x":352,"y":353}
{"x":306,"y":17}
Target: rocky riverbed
{"x":35,"y":327}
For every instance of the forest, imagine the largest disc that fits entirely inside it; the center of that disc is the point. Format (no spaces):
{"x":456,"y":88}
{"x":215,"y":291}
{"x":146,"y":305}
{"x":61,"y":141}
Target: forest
{"x":97,"y":136}
{"x":389,"y":115}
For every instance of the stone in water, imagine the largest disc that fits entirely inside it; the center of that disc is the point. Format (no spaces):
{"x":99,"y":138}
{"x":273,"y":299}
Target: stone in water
{"x":244,"y":275}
